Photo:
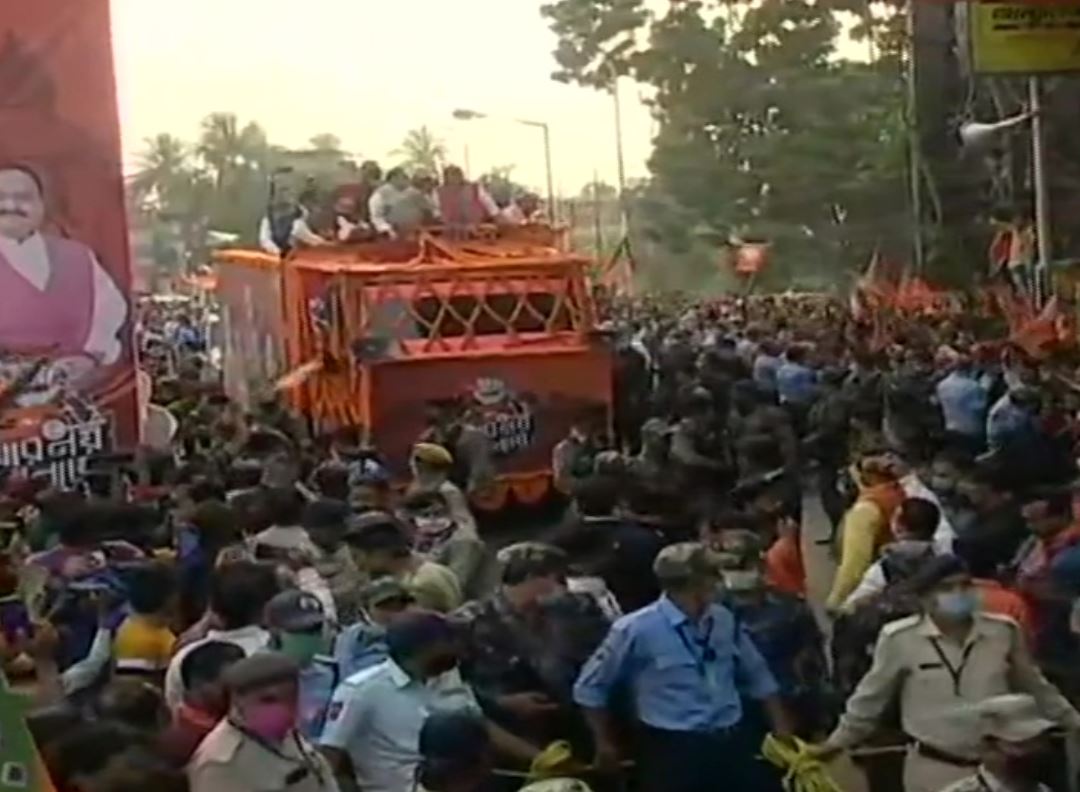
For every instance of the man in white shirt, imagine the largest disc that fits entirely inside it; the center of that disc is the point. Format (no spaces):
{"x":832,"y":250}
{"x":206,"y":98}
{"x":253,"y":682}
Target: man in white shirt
{"x":54,"y":294}
{"x":386,"y":202}
{"x":238,"y":593}
{"x":372,"y":731}
{"x":914,"y":525}
{"x":944,"y":534}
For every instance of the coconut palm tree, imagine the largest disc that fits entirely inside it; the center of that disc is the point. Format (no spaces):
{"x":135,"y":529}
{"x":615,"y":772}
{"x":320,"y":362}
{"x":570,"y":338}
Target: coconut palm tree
{"x":164,"y":169}
{"x":227,"y":149}
{"x":421,"y":150}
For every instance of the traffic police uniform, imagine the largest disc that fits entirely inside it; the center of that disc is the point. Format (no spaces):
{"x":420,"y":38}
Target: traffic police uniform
{"x":318,"y":681}
{"x":935,"y":678}
{"x":296,"y":611}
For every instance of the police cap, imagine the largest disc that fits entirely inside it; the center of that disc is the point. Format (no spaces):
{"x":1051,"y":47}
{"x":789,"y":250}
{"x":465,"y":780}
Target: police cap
{"x":260,"y":670}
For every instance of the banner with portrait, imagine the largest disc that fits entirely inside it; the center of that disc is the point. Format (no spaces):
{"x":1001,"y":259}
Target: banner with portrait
{"x":67,"y":363}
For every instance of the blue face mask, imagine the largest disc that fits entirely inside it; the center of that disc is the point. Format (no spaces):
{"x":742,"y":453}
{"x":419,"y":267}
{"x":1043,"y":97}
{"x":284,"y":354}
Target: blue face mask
{"x":187,"y":543}
{"x":957,"y":605}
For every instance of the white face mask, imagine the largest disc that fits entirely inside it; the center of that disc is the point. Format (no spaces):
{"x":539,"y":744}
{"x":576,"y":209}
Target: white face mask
{"x":742,"y":580}
{"x":433,"y":525}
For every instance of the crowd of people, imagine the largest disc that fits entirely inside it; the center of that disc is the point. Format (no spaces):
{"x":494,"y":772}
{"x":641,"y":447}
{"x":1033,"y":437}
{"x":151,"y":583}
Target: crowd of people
{"x":391,"y":206}
{"x":257,"y":608}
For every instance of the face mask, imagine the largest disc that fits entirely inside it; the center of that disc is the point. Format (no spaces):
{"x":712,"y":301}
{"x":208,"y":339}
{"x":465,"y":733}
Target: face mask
{"x":302,"y":647}
{"x":187,"y":542}
{"x":957,"y":605}
{"x":433,"y":525}
{"x":741,"y":580}
{"x":272,"y":722}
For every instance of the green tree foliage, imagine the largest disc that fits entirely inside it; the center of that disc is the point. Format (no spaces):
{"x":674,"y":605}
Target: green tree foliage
{"x":182,"y":191}
{"x":501,"y":185}
{"x":765,"y":130}
{"x":422,"y":150}
{"x":326,"y":142}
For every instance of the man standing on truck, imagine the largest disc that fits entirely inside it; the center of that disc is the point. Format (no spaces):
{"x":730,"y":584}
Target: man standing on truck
{"x":463,"y":203}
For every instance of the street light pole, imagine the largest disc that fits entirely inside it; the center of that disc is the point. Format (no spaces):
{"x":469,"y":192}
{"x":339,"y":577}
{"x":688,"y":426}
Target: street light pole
{"x":550,"y":179}
{"x":1042,"y":195}
{"x":470,"y":115}
{"x":620,"y":159}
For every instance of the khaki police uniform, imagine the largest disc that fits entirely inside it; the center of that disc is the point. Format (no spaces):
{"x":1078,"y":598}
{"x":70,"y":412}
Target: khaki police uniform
{"x":229,"y":760}
{"x":936,"y":681}
{"x":985,"y":781}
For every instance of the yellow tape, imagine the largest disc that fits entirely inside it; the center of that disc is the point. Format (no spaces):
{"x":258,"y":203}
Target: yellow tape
{"x":802,"y":772}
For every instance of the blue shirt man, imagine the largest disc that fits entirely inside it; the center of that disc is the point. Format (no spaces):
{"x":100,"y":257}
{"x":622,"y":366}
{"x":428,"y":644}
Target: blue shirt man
{"x":765,"y":369}
{"x":1010,"y":420}
{"x":963,"y":402}
{"x":796,"y":383}
{"x":686,"y":665}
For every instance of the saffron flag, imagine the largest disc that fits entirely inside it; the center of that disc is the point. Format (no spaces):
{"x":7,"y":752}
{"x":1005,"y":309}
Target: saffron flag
{"x":64,"y":265}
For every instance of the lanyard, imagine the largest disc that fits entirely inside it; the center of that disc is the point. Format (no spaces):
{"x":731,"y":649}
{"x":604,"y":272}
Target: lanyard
{"x":706,"y":653}
{"x":954,"y":671}
{"x":305,"y":766}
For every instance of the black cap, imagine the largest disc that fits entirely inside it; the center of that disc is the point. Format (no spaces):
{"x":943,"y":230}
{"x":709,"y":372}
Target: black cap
{"x":260,"y":670}
{"x":415,"y":631}
{"x":460,"y":736}
{"x":295,"y":611}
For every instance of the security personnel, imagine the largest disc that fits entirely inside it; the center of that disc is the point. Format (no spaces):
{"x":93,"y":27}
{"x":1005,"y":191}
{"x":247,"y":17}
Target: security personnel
{"x":298,"y":630}
{"x":686,"y":663}
{"x":1017,"y":750}
{"x":937,"y":662}
{"x":257,"y":747}
{"x":523,"y":646}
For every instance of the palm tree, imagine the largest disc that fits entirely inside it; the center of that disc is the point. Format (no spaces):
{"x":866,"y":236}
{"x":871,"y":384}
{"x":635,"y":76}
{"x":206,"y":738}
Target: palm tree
{"x":164,"y":166}
{"x":421,"y":150}
{"x":227,"y":149}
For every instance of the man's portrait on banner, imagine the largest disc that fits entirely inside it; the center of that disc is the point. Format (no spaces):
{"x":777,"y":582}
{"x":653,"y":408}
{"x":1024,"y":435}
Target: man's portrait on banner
{"x":55,"y":297}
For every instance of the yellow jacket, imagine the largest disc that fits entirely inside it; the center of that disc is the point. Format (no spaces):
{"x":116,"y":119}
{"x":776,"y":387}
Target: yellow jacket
{"x":864,"y":530}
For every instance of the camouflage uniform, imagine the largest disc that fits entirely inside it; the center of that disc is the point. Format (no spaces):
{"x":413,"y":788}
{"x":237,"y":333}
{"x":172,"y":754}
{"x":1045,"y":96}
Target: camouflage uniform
{"x":505,"y":653}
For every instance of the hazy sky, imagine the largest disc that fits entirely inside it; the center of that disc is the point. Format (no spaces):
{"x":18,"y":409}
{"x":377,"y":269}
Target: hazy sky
{"x":367,"y":72}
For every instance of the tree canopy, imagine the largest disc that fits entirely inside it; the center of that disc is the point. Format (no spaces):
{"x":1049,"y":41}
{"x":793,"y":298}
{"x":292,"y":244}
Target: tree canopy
{"x":767,"y":130}
{"x":422,"y":150}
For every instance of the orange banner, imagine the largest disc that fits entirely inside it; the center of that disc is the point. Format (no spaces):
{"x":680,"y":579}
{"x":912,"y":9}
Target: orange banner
{"x":67,"y":363}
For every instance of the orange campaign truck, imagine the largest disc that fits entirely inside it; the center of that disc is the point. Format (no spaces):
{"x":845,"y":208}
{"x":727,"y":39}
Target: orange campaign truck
{"x":377,"y":335}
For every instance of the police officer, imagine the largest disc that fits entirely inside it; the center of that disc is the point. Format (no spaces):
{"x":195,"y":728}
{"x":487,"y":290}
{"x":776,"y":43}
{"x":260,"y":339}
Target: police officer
{"x":1016,"y":747}
{"x":936,"y":662}
{"x":298,"y":630}
{"x":686,"y":663}
{"x":257,"y":747}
